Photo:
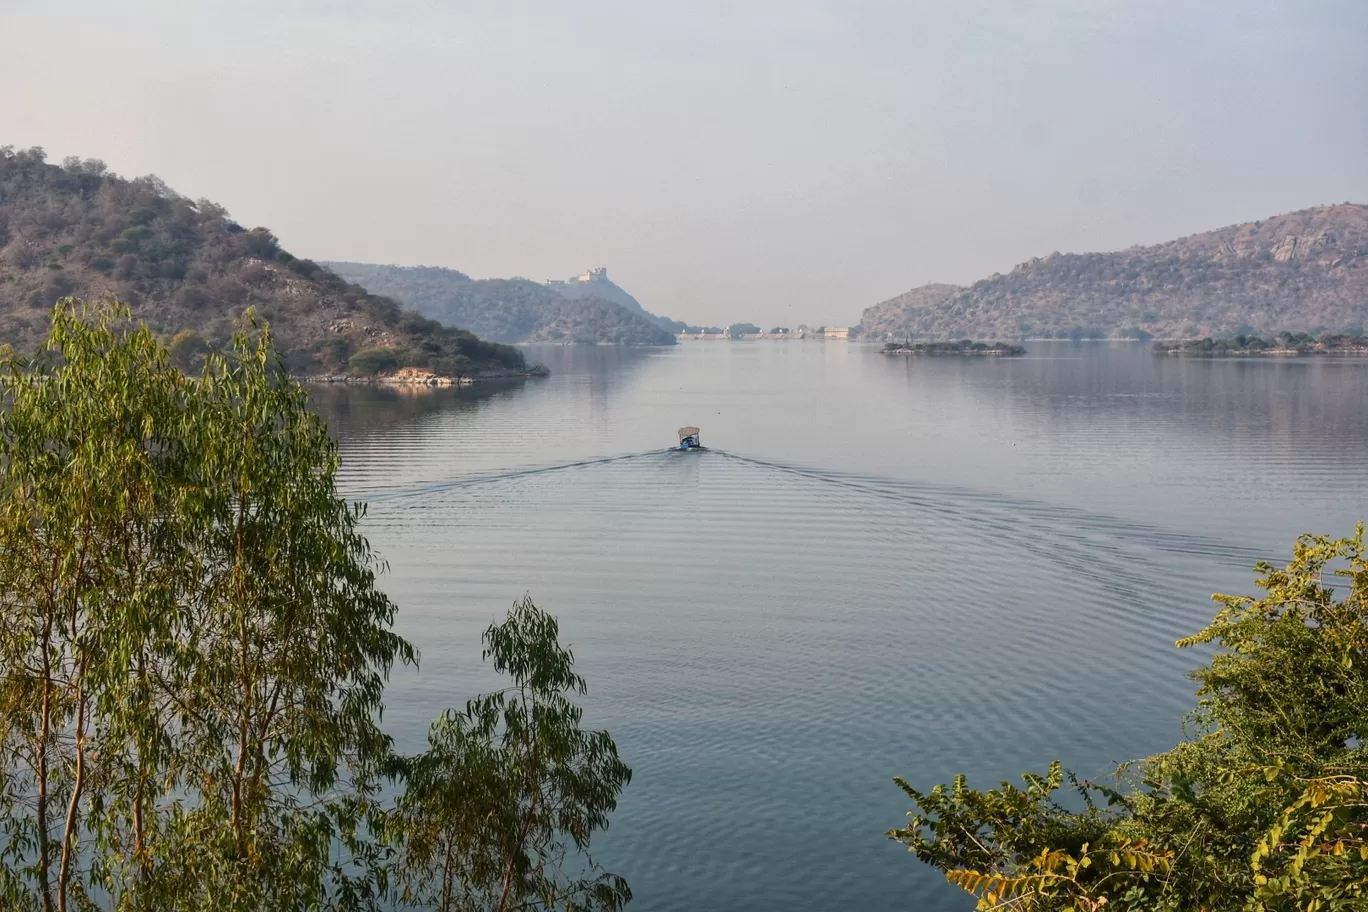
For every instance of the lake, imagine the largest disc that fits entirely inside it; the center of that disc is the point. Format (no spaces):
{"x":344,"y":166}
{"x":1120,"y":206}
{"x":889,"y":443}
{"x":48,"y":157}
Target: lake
{"x":882,"y":566}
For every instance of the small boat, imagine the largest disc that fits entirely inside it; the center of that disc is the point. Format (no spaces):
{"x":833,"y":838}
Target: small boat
{"x":688,"y":439}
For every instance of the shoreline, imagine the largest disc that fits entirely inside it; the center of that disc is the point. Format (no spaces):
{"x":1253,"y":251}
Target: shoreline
{"x":1266,"y":353}
{"x":417,"y":379}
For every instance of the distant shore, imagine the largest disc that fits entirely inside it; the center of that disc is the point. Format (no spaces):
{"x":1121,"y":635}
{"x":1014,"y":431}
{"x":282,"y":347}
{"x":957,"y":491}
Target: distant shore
{"x":1285,"y":345}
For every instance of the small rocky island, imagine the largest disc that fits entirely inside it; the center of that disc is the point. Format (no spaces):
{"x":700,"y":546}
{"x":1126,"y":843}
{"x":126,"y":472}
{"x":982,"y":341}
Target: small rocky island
{"x":1281,"y":345}
{"x":962,"y":347}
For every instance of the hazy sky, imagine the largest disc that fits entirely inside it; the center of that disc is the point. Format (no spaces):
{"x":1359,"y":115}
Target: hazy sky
{"x":781,"y":161}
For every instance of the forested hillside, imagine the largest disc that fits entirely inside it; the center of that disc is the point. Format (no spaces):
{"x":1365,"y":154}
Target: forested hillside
{"x":1305,"y":271}
{"x":507,"y":310}
{"x":186,"y":268}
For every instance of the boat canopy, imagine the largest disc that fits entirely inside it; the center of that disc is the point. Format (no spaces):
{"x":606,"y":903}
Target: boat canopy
{"x":688,"y":432}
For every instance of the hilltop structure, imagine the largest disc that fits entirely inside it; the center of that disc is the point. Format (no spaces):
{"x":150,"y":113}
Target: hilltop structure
{"x":595,"y":283}
{"x":596,"y":274}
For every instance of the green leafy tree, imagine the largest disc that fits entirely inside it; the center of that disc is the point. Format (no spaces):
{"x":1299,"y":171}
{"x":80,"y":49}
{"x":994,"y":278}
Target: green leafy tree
{"x":187,"y":349}
{"x":511,"y":789}
{"x":371,"y":361}
{"x":1264,"y":810}
{"x":197,"y":649}
{"x":195,"y":653}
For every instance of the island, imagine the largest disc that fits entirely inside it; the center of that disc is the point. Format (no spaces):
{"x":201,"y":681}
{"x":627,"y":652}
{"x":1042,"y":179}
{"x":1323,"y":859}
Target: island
{"x":1281,"y":345}
{"x":962,"y":347}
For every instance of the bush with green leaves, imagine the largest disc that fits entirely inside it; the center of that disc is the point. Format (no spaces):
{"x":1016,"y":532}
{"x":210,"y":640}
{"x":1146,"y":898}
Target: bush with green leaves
{"x":504,"y":779}
{"x":1265,"y":809}
{"x":195,"y":650}
{"x":372,"y":361}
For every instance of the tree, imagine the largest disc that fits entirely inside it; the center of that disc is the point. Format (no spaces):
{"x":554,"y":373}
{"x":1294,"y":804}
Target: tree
{"x":511,"y":788}
{"x":1265,"y":809}
{"x":195,"y":653}
{"x":196,"y":650}
{"x":371,"y":361}
{"x":187,"y":349}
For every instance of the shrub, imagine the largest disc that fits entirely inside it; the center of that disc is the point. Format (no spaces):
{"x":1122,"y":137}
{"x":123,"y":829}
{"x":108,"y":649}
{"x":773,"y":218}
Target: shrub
{"x":371,"y":361}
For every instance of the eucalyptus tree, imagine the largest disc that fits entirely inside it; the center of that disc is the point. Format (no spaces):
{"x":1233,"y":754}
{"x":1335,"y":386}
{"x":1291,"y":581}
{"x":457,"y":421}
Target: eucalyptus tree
{"x":498,"y":813}
{"x":195,"y":647}
{"x":87,"y":430}
{"x":193,"y":652}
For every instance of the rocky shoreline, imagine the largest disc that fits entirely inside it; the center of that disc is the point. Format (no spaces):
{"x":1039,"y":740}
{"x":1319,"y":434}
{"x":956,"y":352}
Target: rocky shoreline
{"x":418,"y":377}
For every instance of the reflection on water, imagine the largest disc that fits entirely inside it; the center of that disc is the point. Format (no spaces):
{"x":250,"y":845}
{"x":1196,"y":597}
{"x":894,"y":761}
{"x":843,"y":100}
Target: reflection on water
{"x":885,"y":566}
{"x":352,"y":410}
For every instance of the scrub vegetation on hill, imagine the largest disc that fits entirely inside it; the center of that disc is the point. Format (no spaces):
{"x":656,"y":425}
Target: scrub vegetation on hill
{"x":1304,"y":271}
{"x":190,"y":271}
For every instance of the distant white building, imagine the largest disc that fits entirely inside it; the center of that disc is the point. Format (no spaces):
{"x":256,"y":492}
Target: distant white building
{"x":837,"y":332}
{"x":597,"y":274}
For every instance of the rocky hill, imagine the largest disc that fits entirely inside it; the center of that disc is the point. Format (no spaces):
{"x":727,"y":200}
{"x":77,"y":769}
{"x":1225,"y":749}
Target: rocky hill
{"x":1303,"y":271}
{"x":186,"y":268}
{"x":507,"y":310}
{"x":594,"y":283}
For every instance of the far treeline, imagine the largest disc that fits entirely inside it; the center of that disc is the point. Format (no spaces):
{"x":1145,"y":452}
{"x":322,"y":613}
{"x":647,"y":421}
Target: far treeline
{"x":194,"y":660}
{"x":1281,"y":344}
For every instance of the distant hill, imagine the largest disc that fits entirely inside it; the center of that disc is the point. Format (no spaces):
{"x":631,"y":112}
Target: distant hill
{"x":1304,"y":271}
{"x":77,"y":229}
{"x":594,"y":283}
{"x":507,"y":310}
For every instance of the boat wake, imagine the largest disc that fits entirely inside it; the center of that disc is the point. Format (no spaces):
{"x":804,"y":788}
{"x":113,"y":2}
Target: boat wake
{"x":467,"y":481}
{"x":998,"y":513}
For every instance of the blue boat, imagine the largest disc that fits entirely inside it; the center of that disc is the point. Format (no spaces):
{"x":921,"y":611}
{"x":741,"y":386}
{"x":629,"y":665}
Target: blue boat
{"x":688,"y":439}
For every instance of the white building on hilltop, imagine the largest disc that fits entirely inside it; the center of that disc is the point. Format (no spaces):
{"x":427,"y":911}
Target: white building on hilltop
{"x":597,"y":274}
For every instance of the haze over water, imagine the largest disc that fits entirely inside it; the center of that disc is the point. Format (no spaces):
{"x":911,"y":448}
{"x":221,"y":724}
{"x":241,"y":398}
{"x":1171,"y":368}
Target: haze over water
{"x":884,"y":566}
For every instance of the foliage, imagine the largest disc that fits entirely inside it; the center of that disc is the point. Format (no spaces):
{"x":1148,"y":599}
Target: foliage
{"x":1265,"y":809}
{"x":1292,"y":272}
{"x":510,"y":310}
{"x":961,"y":347}
{"x":180,"y":265}
{"x":370,"y":361}
{"x":512,"y":788}
{"x":196,"y":649}
{"x":187,"y":349}
{"x":1282,"y":344}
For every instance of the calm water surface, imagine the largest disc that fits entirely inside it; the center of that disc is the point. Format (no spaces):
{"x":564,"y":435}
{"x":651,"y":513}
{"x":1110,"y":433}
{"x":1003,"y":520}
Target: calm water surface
{"x":885,"y":566}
